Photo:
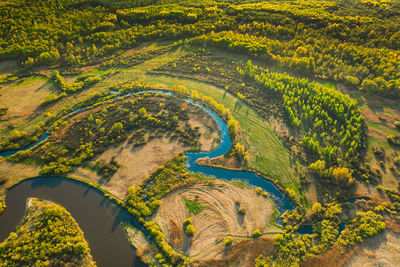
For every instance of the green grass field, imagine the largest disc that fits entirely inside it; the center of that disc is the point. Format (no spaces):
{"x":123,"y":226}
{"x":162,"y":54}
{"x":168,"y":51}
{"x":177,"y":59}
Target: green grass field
{"x":267,"y":153}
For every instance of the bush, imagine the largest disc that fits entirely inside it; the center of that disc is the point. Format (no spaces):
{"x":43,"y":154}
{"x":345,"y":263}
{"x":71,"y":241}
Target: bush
{"x":342,"y":175}
{"x":193,"y":206}
{"x":393,"y":139}
{"x":242,"y":211}
{"x":317,"y":207}
{"x":227,"y":240}
{"x":187,"y":221}
{"x":190,"y":229}
{"x":397,"y":124}
{"x":256,"y":233}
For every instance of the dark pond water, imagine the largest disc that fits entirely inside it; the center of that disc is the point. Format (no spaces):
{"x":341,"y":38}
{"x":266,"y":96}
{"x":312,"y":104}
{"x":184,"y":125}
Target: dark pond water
{"x":282,"y":203}
{"x":353,"y":200}
{"x":98,"y":217}
{"x":307,"y":229}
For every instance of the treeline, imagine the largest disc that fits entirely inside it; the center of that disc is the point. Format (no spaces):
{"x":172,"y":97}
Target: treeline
{"x":47,"y":236}
{"x":82,"y":82}
{"x":330,"y":122}
{"x":373,"y":70}
{"x":293,"y":248}
{"x":75,"y":33}
{"x":169,"y":12}
{"x":345,"y":41}
{"x":142,"y":202}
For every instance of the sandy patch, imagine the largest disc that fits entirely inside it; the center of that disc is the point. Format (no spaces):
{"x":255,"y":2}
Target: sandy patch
{"x":242,"y":252}
{"x":144,"y":249}
{"x":23,"y":98}
{"x":11,"y":173}
{"x":219,"y":219}
{"x":380,"y":250}
{"x":137,"y":163}
{"x":208,"y":127}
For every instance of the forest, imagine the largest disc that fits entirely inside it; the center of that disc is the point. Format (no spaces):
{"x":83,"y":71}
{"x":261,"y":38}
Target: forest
{"x":308,"y":91}
{"x":47,"y":236}
{"x":353,"y":42}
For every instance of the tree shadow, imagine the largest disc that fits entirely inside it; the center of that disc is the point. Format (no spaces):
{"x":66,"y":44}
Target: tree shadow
{"x":239,"y":216}
{"x":187,"y":242}
{"x":238,"y":105}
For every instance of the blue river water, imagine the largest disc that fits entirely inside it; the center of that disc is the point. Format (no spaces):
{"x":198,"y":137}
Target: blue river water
{"x":308,"y":229}
{"x":12,"y":152}
{"x":282,"y":203}
{"x":79,"y":198}
{"x":99,"y":217}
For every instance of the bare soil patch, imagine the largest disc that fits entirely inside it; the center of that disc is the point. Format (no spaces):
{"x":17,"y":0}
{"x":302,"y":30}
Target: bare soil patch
{"x":219,"y":218}
{"x":332,"y":258}
{"x":224,"y":161}
{"x":23,"y":97}
{"x":380,"y":250}
{"x":12,"y":173}
{"x":242,"y":252}
{"x":141,"y":48}
{"x":87,"y":69}
{"x":370,"y":191}
{"x":138,"y":163}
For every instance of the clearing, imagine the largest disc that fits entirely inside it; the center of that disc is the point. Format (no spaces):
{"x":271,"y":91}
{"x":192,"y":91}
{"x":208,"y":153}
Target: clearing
{"x":138,"y":163}
{"x":219,"y":217}
{"x":380,"y":250}
{"x":267,"y":153}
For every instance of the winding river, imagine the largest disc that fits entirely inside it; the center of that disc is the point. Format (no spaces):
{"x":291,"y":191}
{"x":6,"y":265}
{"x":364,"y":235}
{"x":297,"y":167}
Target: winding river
{"x":99,"y":218}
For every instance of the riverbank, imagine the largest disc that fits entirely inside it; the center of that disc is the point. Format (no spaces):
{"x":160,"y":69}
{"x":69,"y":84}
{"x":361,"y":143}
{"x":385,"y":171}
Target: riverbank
{"x":72,"y":248}
{"x":97,"y":216}
{"x":222,"y":149}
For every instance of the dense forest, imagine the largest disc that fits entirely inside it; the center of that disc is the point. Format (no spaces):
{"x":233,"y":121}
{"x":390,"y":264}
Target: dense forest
{"x":354,"y":42}
{"x":308,"y":69}
{"x":47,"y":236}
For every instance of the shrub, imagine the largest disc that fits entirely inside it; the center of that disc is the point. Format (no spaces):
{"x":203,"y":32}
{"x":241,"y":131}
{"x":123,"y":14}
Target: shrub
{"x":190,"y":229}
{"x":242,"y":211}
{"x":227,"y":240}
{"x":393,"y":139}
{"x":342,"y":175}
{"x":256,"y":233}
{"x":193,"y":206}
{"x":187,"y":221}
{"x":396,"y":161}
{"x":397,"y":124}
{"x":292,"y":193}
{"x":317,"y":207}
